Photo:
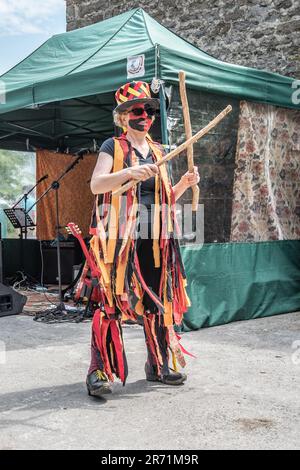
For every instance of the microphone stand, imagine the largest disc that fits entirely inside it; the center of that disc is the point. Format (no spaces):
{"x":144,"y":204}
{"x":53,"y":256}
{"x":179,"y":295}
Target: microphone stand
{"x":55,"y":186}
{"x":24,"y":229}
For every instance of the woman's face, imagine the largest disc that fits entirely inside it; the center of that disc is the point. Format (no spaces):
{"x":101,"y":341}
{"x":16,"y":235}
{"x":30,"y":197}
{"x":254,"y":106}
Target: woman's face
{"x":138,"y":119}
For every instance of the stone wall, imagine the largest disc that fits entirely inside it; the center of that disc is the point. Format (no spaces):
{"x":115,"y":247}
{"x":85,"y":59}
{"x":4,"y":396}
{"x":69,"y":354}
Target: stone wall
{"x":260,"y":33}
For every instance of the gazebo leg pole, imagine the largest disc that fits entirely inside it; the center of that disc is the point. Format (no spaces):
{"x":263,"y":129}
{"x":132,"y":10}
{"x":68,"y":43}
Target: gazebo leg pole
{"x":163,"y":116}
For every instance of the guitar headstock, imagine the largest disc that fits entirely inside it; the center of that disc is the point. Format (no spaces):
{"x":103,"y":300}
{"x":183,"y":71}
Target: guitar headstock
{"x":73,"y":229}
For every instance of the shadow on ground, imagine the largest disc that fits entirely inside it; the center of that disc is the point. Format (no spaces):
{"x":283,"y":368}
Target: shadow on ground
{"x":72,"y":396}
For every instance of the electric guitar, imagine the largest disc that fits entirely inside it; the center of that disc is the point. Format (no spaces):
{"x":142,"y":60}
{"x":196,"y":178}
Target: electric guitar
{"x":75,"y":230}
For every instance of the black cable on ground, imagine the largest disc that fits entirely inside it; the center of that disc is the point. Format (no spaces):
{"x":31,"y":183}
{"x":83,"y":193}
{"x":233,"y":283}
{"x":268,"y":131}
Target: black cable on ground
{"x":61,"y":316}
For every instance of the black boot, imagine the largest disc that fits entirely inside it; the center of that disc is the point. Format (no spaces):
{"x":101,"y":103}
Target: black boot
{"x":173,"y":378}
{"x":98,"y":384}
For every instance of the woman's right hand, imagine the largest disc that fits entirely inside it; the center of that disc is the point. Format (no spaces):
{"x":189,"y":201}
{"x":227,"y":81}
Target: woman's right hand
{"x":143,"y":172}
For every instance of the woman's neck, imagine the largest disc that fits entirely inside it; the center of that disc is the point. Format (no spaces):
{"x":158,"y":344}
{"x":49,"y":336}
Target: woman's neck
{"x":136,"y":138}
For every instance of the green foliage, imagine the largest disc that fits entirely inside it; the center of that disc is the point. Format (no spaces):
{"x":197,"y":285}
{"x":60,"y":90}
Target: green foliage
{"x":17,"y":169}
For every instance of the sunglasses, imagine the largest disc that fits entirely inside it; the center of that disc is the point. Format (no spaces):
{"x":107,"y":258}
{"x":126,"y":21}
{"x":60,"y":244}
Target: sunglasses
{"x":140,"y":111}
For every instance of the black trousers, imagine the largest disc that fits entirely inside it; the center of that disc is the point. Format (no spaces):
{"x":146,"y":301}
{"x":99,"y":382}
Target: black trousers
{"x":156,"y":334}
{"x":150,"y":273}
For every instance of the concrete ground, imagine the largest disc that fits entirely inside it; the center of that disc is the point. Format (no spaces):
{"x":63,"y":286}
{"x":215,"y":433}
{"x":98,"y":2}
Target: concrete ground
{"x":242,"y":390}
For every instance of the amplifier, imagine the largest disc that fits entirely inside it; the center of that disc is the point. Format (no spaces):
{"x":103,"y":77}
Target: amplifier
{"x":70,"y":255}
{"x":62,"y":244}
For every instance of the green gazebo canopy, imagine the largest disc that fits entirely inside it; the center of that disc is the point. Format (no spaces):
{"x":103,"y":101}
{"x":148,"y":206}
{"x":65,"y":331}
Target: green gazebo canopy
{"x":62,"y":95}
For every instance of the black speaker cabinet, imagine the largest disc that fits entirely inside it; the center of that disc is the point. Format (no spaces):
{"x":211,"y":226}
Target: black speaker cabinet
{"x":11,"y":302}
{"x":69,"y":257}
{"x":13,"y":260}
{"x":29,"y":260}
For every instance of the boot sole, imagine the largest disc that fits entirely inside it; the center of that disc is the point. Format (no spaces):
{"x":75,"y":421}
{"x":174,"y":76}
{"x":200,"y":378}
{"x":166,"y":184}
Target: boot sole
{"x":166,"y":382}
{"x":104,"y":390}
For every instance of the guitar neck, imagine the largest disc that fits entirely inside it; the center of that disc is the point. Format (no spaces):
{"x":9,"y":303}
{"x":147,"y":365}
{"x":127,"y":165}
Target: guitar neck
{"x":90,"y":261}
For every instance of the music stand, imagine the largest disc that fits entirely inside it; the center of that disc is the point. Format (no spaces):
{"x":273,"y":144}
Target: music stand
{"x":19,"y":219}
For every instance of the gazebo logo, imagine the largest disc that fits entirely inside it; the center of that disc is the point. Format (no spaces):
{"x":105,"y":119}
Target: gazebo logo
{"x":136,"y":66}
{"x":296,"y":93}
{"x":2,"y":93}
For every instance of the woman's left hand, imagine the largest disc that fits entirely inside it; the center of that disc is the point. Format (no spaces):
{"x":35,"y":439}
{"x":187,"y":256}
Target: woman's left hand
{"x":190,"y":179}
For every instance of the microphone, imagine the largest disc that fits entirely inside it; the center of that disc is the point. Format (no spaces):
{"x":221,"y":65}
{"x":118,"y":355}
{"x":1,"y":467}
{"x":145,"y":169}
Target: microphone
{"x":82,"y":152}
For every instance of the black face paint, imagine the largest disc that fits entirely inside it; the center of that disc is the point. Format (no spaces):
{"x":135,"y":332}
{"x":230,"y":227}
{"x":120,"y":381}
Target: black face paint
{"x":140,"y":124}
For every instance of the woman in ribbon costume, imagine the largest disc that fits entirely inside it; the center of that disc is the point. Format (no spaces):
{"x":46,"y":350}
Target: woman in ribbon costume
{"x":135,"y":248}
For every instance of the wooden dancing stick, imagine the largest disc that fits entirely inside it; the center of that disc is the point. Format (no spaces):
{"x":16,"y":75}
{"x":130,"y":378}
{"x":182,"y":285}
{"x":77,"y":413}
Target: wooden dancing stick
{"x":179,"y":149}
{"x":188,"y":133}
